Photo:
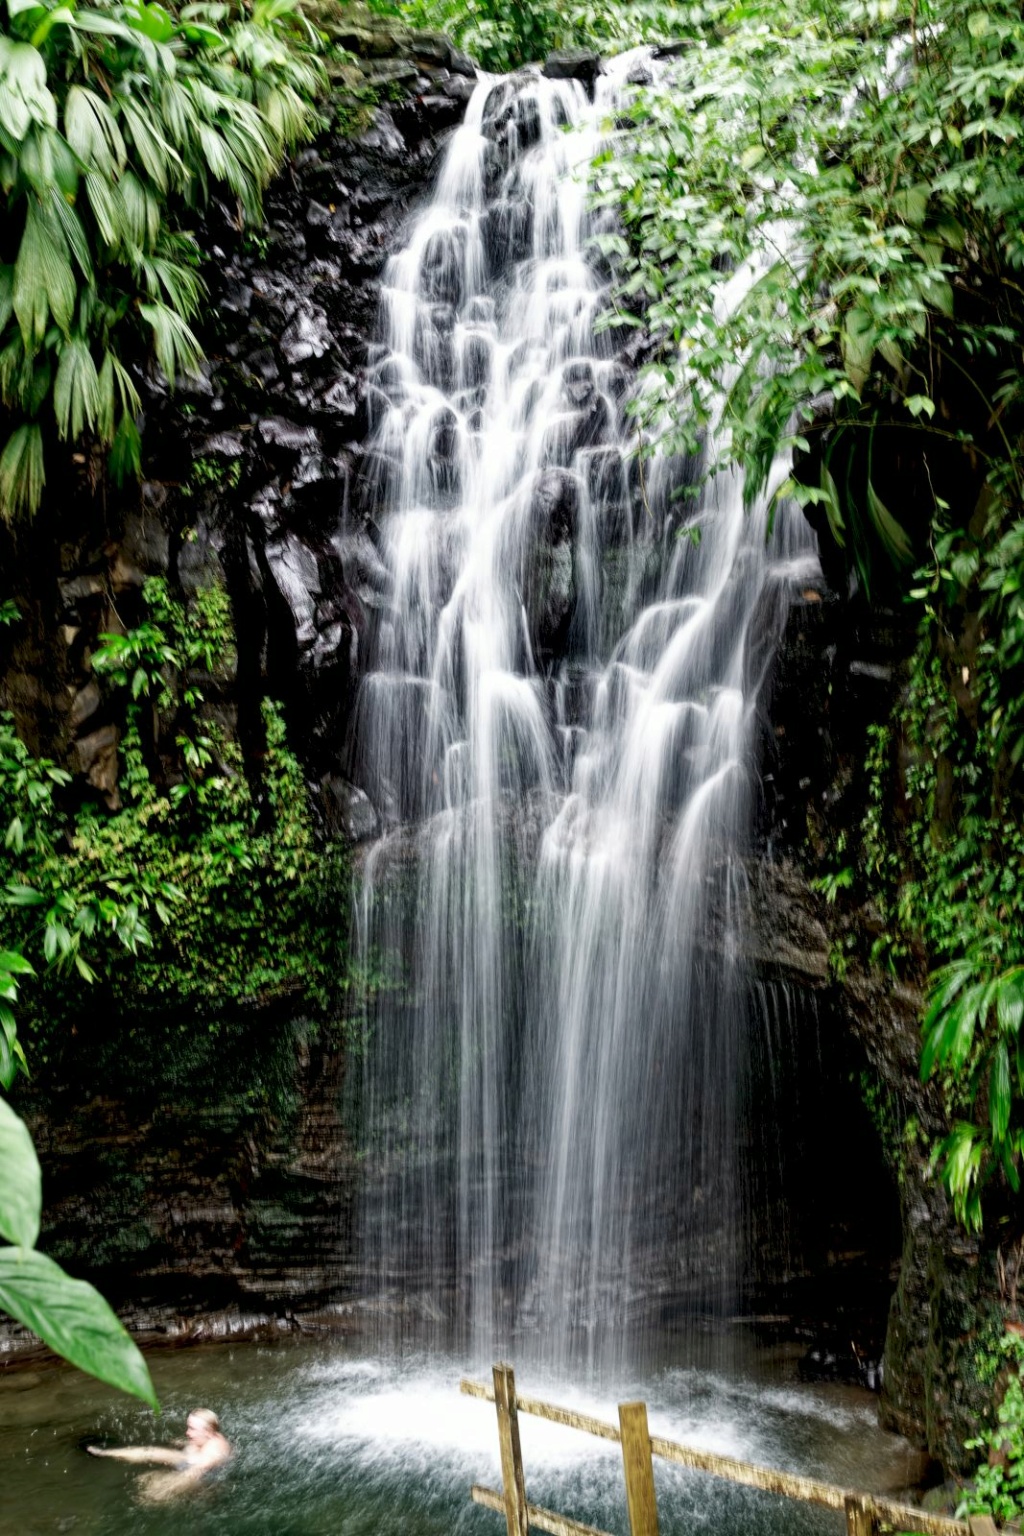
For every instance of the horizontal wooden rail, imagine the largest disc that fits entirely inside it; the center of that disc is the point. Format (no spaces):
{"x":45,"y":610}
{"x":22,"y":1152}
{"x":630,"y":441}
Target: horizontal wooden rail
{"x":808,"y":1490}
{"x":540,"y":1519}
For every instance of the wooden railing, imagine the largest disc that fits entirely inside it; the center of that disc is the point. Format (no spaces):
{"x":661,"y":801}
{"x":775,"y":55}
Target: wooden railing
{"x":865,"y":1513}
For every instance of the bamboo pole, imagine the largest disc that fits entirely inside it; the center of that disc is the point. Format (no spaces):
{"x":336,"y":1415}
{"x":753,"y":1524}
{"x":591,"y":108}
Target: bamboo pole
{"x":639,"y":1469}
{"x":807,"y":1490}
{"x":513,"y":1481}
{"x":859,"y":1519}
{"x":540,"y":1519}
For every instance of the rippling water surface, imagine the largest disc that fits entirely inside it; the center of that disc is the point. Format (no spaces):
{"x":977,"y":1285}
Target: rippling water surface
{"x":331,"y":1442}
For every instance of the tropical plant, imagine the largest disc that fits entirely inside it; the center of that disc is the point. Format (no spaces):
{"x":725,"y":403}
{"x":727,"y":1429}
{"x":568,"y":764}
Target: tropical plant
{"x":222,"y":895}
{"x":973,"y":1033}
{"x":997,"y":1487}
{"x":69,"y":1315}
{"x":824,"y":228}
{"x":861,"y":162}
{"x":118,"y":121}
{"x":501,"y":37}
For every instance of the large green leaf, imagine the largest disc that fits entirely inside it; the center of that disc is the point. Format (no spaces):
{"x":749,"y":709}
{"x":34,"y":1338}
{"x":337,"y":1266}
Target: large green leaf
{"x":92,"y":131}
{"x":108,"y":209}
{"x":833,"y":508}
{"x":142,"y":212}
{"x":73,"y":1319}
{"x":157,"y":158}
{"x":177,"y":350}
{"x":21,"y":1191}
{"x":76,"y":391}
{"x":70,"y":225}
{"x":892,"y":534}
{"x":24,"y":96}
{"x":999,"y":1092}
{"x":22,"y":475}
{"x":44,"y":283}
{"x":858,"y":339}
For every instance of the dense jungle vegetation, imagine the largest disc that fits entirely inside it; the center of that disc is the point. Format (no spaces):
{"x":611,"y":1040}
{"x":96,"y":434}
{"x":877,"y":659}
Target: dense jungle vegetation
{"x":866,"y":156}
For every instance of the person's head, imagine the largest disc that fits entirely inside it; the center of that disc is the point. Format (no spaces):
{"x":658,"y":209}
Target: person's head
{"x":201,"y":1425}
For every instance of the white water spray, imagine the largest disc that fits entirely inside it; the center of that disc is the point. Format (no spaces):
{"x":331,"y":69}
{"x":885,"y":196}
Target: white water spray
{"x":558,"y":728}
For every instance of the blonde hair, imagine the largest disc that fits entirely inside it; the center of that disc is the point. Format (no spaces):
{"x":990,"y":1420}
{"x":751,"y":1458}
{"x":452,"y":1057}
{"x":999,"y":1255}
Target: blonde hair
{"x":208,"y":1417}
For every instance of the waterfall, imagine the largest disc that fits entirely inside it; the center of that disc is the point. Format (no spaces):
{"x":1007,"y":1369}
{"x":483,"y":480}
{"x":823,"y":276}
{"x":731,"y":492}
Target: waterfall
{"x":558,"y":728}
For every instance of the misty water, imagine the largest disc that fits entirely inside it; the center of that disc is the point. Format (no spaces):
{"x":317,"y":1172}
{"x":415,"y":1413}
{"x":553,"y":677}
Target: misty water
{"x":558,"y":726}
{"x":331,"y":1441}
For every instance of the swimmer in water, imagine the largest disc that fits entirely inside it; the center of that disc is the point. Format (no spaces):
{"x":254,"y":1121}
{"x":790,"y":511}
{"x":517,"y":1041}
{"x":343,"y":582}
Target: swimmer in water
{"x":205,"y":1448}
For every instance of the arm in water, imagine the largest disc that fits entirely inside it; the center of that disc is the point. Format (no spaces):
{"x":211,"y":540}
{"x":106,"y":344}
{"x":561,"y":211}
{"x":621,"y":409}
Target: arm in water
{"x":205,"y":1448}
{"x":144,"y":1454}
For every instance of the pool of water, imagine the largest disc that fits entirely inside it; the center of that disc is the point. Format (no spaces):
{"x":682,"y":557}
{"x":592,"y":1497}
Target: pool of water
{"x":332,"y":1440}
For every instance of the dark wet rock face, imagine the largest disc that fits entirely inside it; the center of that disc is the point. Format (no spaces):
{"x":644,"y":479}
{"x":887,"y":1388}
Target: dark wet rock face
{"x":256,"y":475}
{"x":574,"y":64}
{"x":838,"y":672}
{"x":206,"y":1188}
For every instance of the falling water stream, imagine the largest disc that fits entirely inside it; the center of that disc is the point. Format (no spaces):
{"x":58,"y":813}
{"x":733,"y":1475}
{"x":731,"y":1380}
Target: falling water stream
{"x":558,"y":728}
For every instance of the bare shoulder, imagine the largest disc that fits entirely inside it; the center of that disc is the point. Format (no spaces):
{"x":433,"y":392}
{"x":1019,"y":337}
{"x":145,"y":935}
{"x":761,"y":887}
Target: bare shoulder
{"x":216,"y":1450}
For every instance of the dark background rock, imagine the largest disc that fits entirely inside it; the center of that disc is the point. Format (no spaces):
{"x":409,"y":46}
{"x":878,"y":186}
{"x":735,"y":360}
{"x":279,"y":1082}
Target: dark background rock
{"x":574,"y":64}
{"x":197,"y":1174}
{"x":252,"y":469}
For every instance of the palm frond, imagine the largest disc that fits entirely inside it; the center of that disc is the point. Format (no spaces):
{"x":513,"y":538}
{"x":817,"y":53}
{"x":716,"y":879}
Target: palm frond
{"x":22,"y":472}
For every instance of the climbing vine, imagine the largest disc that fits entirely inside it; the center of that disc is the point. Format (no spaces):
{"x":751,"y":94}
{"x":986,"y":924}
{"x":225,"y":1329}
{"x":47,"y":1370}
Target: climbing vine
{"x":947,"y":872}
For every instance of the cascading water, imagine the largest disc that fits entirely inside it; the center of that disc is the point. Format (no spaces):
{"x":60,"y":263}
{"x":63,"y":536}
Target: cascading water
{"x":558,"y":728}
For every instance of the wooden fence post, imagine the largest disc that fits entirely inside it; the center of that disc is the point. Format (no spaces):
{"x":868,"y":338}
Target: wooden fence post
{"x":982,"y":1525}
{"x":860,"y":1520}
{"x":639,"y":1469}
{"x":512,"y":1479}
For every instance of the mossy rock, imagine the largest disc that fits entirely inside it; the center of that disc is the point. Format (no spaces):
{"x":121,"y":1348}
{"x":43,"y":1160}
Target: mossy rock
{"x":361,"y":31}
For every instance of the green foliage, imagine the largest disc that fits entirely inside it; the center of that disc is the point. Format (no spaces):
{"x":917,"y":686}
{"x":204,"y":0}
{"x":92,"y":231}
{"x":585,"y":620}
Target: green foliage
{"x":355,"y":105}
{"x":830,"y":885}
{"x":173,"y":641}
{"x":501,"y":36}
{"x":997,"y":1487}
{"x":950,"y":873}
{"x":865,"y":159}
{"x":68,"y":1315}
{"x":226,"y":887}
{"x":117,"y":122}
{"x":823,"y":223}
{"x":21,"y":1195}
{"x":211,"y":473}
{"x":73,"y":1319}
{"x":206,"y":896}
{"x":44,"y":916}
